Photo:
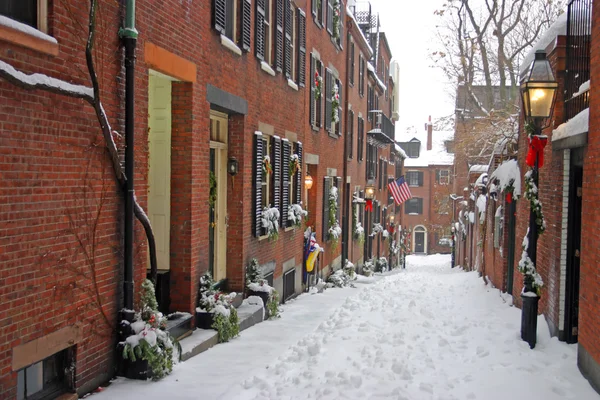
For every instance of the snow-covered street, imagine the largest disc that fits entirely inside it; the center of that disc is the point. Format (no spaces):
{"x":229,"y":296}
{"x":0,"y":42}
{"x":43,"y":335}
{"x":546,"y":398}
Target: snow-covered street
{"x":427,"y":332}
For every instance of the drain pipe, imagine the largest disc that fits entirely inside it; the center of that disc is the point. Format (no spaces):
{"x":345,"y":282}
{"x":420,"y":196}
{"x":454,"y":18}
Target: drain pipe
{"x":129,"y":35}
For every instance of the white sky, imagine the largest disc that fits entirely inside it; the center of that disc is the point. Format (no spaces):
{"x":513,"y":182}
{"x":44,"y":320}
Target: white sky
{"x":410,"y":30}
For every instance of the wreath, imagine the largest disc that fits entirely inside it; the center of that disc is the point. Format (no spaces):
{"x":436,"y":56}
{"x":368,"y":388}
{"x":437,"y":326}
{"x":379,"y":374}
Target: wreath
{"x":335,"y":104}
{"x":266,"y":165}
{"x":336,"y":19}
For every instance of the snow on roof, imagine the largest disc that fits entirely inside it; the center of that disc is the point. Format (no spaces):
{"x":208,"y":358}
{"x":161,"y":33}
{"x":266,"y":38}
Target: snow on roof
{"x":371,"y":68}
{"x":400,"y":151}
{"x":480,"y":181}
{"x":584,"y":87}
{"x":437,"y":155}
{"x":360,"y":32}
{"x":559,"y":27}
{"x":508,"y":174}
{"x":576,"y":125}
{"x":478,"y":168}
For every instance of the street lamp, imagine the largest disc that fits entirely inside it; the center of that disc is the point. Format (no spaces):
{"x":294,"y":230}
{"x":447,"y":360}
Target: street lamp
{"x":538,"y":90}
{"x":308,"y":181}
{"x":369,"y":194}
{"x":454,"y":197}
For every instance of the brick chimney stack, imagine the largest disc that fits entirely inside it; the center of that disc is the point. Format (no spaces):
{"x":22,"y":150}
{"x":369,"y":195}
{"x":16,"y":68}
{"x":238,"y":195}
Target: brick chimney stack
{"x":429,"y":127}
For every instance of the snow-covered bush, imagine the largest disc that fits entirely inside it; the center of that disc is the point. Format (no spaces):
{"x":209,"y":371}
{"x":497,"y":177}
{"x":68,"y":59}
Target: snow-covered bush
{"x":359,"y":233}
{"x":296,"y":215}
{"x":385,"y":234}
{"x":368,"y":268}
{"x":377,"y":228}
{"x":350,"y":270}
{"x":339,"y":279}
{"x":149,"y":340}
{"x":270,"y":221}
{"x":381,"y":264}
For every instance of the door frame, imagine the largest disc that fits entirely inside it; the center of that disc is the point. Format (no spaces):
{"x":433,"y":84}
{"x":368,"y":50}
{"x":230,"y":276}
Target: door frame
{"x":221,"y":175}
{"x":424,"y":232}
{"x":572,"y":278}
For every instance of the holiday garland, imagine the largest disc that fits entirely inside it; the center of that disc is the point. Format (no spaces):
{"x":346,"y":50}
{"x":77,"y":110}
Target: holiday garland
{"x":334,"y":227}
{"x":212,"y":191}
{"x":318,"y":85}
{"x":266,"y":165}
{"x":294,"y":164}
{"x":531,"y":279}
{"x":335,"y":104}
{"x":336,"y":19}
{"x":531,"y":194}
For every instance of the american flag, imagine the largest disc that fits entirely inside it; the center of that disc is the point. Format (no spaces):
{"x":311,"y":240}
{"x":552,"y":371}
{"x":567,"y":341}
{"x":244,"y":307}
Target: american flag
{"x":399,"y":190}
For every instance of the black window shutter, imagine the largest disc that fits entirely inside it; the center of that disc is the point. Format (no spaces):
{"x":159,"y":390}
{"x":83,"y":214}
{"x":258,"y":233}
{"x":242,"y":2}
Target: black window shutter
{"x":329,"y":16}
{"x":312,"y":110}
{"x":437,"y":176}
{"x":420,"y":174}
{"x":276,"y":162}
{"x":279,"y":16}
{"x":219,"y":15}
{"x":327,"y":95}
{"x":257,"y":185}
{"x":361,"y":139}
{"x":246,"y":24}
{"x":351,"y":63}
{"x":326,"y":189}
{"x":285,"y":182}
{"x":350,"y":134}
{"x":288,"y":39}
{"x":259,"y":32}
{"x":302,"y":48}
{"x":298,"y":177}
{"x":420,"y":203}
{"x":380,"y":174}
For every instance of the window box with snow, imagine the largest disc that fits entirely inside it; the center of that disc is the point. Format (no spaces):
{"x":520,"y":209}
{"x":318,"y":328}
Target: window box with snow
{"x":25,"y":23}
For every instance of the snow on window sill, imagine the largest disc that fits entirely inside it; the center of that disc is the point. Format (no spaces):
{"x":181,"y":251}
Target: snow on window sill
{"x":26,"y":36}
{"x":267,"y":68}
{"x":229,"y":45}
{"x":413,"y":214}
{"x":292,"y":84}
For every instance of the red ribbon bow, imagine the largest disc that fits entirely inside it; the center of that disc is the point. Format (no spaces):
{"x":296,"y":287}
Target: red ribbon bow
{"x":369,"y":206}
{"x":536,"y":149}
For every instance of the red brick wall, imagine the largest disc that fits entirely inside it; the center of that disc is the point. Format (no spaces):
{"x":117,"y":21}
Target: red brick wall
{"x":589,"y":324}
{"x":58,"y":192}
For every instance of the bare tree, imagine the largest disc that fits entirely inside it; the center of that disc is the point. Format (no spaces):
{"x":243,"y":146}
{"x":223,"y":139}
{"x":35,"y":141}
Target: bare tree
{"x":92,"y":96}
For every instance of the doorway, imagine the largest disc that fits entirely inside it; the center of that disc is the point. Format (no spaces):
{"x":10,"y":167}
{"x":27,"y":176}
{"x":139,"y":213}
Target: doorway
{"x":217,"y":229}
{"x":420,"y":233}
{"x":573,"y":247}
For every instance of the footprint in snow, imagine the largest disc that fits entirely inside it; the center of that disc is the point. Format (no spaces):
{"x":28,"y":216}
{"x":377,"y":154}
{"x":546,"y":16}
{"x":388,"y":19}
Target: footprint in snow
{"x":471,"y":395}
{"x":482,"y":352}
{"x":412,"y":304}
{"x":426,"y":387}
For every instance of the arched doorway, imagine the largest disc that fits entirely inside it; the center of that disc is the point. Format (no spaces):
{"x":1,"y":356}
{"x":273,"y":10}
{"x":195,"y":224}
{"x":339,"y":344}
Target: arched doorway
{"x":420,"y":240}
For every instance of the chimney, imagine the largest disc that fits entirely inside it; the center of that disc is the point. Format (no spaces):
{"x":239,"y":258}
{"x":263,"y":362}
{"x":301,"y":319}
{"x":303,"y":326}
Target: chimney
{"x":429,"y":134}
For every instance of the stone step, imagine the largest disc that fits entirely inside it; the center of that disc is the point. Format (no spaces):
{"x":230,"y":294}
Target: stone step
{"x":203,"y":339}
{"x":179,"y":324}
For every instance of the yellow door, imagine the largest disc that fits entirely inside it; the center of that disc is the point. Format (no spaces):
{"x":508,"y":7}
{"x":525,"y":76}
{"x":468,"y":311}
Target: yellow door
{"x":218,"y":217}
{"x":159,"y":174}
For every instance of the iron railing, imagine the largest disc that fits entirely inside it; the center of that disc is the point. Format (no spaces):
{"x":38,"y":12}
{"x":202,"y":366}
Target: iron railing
{"x":579,"y":23}
{"x":388,"y":127}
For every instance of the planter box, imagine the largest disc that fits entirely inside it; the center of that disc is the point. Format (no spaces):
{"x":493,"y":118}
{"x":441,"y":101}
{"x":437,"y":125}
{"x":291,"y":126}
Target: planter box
{"x":204,"y":320}
{"x":138,"y":369}
{"x":265,"y":298}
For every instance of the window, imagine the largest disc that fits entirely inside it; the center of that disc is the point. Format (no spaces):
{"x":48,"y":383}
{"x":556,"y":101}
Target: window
{"x":412,"y":148}
{"x":361,"y":76}
{"x":291,"y":27}
{"x":350,"y":139}
{"x":338,"y":125}
{"x":224,"y":17}
{"x":413,"y":206}
{"x":370,"y":93}
{"x":269,"y":27}
{"x":443,"y":177}
{"x":318,"y":10}
{"x":29,"y":12}
{"x":351,"y":62}
{"x":371,"y":161}
{"x":361,"y":139}
{"x":267,"y":192}
{"x":414,"y":178}
{"x":44,"y":379}
{"x":315,"y":112}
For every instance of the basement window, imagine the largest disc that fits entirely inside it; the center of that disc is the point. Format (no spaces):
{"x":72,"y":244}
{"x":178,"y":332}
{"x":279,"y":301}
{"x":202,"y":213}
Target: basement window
{"x":45,"y":379}
{"x":29,"y":12}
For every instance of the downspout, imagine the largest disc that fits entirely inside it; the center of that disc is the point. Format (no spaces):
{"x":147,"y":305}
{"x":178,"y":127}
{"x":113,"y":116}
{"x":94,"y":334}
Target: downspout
{"x":345,"y":185}
{"x":128,"y":35}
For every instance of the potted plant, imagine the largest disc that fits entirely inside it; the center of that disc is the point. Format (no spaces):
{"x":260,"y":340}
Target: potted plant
{"x":257,"y":286}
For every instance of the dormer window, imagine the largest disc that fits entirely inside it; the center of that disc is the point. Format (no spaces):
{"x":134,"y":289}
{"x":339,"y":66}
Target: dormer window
{"x":412,"y":148}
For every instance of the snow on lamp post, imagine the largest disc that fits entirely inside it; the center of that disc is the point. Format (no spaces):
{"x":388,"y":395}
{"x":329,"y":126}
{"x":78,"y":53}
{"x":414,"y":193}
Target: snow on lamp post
{"x":538,"y":90}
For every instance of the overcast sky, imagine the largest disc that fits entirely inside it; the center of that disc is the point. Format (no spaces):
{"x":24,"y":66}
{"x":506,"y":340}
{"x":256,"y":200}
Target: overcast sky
{"x":410,"y":30}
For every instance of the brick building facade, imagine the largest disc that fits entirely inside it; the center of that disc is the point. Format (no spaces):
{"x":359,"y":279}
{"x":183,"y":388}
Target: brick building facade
{"x":202,"y":134}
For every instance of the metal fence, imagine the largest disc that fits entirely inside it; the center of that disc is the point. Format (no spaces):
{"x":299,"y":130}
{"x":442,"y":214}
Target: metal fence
{"x":579,"y":23}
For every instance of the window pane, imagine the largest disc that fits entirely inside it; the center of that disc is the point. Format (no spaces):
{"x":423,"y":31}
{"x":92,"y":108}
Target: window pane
{"x":24,"y":11}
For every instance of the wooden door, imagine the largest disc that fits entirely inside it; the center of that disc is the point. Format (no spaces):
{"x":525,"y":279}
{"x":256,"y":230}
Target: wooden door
{"x":218,"y":212}
{"x":159,"y":166}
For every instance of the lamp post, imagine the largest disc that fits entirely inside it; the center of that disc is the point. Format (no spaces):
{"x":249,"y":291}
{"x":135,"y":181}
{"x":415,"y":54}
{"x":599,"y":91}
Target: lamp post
{"x":369,"y":196}
{"x":454,"y":197}
{"x":538,"y":90}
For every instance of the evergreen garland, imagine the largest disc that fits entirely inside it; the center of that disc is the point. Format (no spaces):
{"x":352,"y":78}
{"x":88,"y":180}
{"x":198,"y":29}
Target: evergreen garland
{"x":212,"y":192}
{"x":531,"y":194}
